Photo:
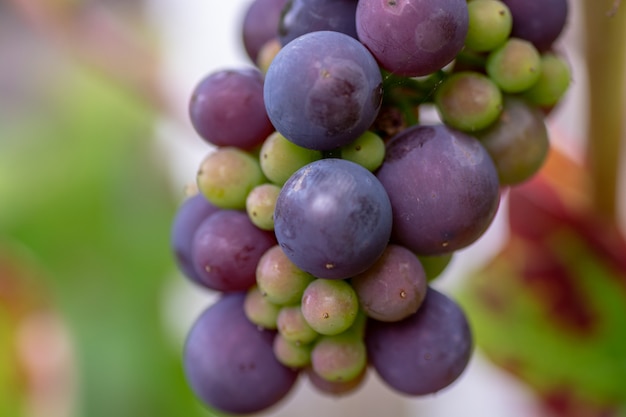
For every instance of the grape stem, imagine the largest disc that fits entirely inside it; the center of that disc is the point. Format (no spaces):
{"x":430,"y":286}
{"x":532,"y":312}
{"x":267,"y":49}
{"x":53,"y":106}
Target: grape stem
{"x":606,"y":66}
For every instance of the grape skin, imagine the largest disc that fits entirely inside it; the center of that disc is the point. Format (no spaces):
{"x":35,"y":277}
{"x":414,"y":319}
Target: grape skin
{"x":425,"y":352}
{"x":323,"y":90}
{"x":538,"y":21}
{"x":330,"y":307}
{"x":260,"y":25}
{"x":229,"y":363}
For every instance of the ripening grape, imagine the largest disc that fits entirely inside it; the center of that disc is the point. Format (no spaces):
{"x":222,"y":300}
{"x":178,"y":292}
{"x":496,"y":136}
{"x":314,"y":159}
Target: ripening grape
{"x":323,"y":90}
{"x":279,"y":279}
{"x":293,"y":326}
{"x":553,"y":82}
{"x":368,"y":150}
{"x":514,"y":66}
{"x":260,"y":205}
{"x":230,"y":364}
{"x":412,"y":37}
{"x":280,"y":158}
{"x":490,"y":24}
{"x":425,"y":352}
{"x":227,"y":175}
{"x":227,"y":108}
{"x":329,"y":306}
{"x":340,"y":357}
{"x":333,"y":218}
{"x":335,"y":388}
{"x":443,"y":188}
{"x":293,"y":355}
{"x":259,"y":310}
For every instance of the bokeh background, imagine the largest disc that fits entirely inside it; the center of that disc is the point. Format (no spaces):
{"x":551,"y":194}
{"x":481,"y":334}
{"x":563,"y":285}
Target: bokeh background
{"x":95,"y":154}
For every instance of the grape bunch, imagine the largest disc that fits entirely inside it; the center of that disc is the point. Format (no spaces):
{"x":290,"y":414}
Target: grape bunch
{"x":326,"y":207}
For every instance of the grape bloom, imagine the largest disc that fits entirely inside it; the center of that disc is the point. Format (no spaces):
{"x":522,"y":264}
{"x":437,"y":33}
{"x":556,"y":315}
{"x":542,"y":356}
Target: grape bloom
{"x":326,"y":209}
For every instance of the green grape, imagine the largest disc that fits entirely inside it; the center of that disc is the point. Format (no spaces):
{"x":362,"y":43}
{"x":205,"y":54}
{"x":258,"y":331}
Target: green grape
{"x":518,"y":142}
{"x":514,"y":66}
{"x":553,"y":81}
{"x":259,"y":310}
{"x":368,"y":150}
{"x":293,"y":326}
{"x":280,"y":158}
{"x":340,"y":357}
{"x":435,"y":265}
{"x":260,"y":205}
{"x":279,"y":279}
{"x":227,"y":175}
{"x":293,"y":355}
{"x":468,"y":101}
{"x":490,"y":24}
{"x":330,"y":306}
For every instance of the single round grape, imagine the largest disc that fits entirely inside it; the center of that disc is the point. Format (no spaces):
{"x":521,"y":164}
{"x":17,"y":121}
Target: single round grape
{"x":227,"y":175}
{"x":490,"y":24}
{"x":280,"y":158}
{"x":304,"y":16}
{"x":293,"y":326}
{"x":394,"y":287}
{"x":333,"y":218}
{"x":443,"y":188}
{"x":266,"y":55}
{"x":368,"y":150}
{"x":329,"y":306}
{"x":227,"y":108}
{"x":230,"y":364}
{"x":518,"y":142}
{"x":340,"y":357}
{"x":435,"y":265}
{"x":260,"y":25}
{"x":323,"y":90}
{"x":468,"y":101}
{"x":292,"y":354}
{"x":260,"y":205}
{"x":335,"y":388}
{"x":553,"y":82}
{"x":226,"y":249}
{"x":538,"y":21}
{"x":412,"y":37}
{"x":514,"y":66}
{"x":186,"y":220}
{"x":425,"y":352}
{"x":259,"y":310}
{"x":279,"y":279}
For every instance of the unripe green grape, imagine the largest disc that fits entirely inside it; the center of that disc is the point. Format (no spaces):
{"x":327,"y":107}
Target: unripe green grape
{"x":341,"y":357}
{"x":280,"y":158}
{"x":514,"y":66}
{"x":435,"y":265}
{"x":293,"y":326}
{"x":279,"y":279}
{"x":260,"y":205}
{"x":330,"y":306}
{"x":227,"y":175}
{"x":468,"y":101}
{"x":259,"y":310}
{"x":553,"y":81}
{"x":267,"y":53}
{"x":490,"y":24}
{"x":291,"y":354}
{"x":368,"y":150}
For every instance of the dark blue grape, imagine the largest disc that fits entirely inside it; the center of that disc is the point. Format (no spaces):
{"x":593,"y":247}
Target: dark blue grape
{"x":425,"y":352}
{"x":304,"y":16}
{"x":538,"y":21}
{"x":333,"y":218}
{"x":226,"y":250}
{"x":323,"y":90}
{"x":229,"y":362}
{"x":443,"y":187}
{"x":188,"y":217}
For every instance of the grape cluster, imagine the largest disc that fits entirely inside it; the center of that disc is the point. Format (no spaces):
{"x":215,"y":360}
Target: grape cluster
{"x":325,"y":208}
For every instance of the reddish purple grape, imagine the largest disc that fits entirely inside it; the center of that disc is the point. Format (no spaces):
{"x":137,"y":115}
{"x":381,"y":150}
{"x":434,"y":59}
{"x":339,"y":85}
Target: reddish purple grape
{"x":538,"y":21}
{"x":229,"y":362}
{"x":425,"y":352}
{"x":260,"y":25}
{"x":226,"y":250}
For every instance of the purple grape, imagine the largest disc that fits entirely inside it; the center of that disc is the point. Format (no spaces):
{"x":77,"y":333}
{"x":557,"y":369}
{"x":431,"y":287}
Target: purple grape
{"x":227,"y":109}
{"x":443,"y":187}
{"x":412,"y":37}
{"x":323,"y":90}
{"x":229,"y":362}
{"x":304,"y":16}
{"x":425,"y":352}
{"x":538,"y":21}
{"x":333,"y":218}
{"x":187,"y":219}
{"x":394,"y":287}
{"x":226,"y":249}
{"x":260,"y":25}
